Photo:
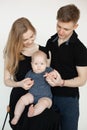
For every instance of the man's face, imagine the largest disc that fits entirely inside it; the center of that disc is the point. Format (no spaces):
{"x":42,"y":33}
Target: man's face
{"x":65,"y":29}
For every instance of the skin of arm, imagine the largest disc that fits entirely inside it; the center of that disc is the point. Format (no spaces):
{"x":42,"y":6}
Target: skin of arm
{"x":79,"y":81}
{"x":25,"y":83}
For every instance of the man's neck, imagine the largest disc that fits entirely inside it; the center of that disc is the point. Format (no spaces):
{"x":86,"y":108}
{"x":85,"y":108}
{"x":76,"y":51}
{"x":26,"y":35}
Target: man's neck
{"x":60,"y":41}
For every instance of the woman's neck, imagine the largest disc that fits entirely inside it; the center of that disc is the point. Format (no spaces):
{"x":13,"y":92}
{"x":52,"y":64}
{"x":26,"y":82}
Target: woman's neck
{"x":28,"y":51}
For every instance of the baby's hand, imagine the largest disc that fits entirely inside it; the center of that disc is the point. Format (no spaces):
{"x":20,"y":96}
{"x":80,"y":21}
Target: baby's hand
{"x":52,"y":74}
{"x":53,"y":78}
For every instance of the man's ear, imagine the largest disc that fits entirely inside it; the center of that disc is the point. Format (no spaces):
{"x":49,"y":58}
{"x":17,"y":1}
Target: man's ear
{"x":75,"y":26}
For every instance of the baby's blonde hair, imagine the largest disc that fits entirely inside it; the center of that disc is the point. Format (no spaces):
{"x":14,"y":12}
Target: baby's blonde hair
{"x":39,"y":53}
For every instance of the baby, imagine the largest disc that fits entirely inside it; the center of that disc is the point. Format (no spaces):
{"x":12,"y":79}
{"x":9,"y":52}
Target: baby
{"x":39,"y":96}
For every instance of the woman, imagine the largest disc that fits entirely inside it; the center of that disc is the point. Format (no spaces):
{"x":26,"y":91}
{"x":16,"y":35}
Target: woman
{"x":17,"y":54}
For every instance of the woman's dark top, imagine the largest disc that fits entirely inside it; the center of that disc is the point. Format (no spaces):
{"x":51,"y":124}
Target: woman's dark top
{"x":47,"y":120}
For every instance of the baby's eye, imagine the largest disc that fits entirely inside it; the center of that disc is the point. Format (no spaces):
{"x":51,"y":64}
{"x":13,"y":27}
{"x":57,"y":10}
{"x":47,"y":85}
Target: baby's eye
{"x":36,"y":63}
{"x":42,"y":63}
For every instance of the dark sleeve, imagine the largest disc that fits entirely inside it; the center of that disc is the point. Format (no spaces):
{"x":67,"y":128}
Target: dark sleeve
{"x":47,"y":44}
{"x":44,"y":49}
{"x":80,"y":55}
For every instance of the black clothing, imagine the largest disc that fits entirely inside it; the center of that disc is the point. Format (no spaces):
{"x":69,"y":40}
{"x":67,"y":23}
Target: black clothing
{"x":48,"y":120}
{"x":70,"y":54}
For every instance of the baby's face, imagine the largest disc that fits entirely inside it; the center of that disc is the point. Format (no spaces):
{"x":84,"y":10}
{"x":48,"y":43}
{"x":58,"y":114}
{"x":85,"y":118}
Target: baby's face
{"x":39,"y":64}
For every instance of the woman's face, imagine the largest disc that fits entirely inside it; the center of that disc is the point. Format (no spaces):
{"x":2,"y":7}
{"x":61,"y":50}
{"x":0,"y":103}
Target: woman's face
{"x":28,"y":38}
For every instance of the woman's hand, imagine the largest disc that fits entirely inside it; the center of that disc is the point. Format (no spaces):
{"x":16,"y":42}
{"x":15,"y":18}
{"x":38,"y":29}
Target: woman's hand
{"x":54,"y":78}
{"x":26,"y":83}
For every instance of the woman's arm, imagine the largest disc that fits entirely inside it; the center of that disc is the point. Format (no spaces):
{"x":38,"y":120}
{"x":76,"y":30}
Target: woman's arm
{"x":8,"y":80}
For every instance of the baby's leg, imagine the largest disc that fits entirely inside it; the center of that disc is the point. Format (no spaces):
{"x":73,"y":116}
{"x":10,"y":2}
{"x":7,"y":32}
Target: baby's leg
{"x":42,"y":104}
{"x":22,"y":102}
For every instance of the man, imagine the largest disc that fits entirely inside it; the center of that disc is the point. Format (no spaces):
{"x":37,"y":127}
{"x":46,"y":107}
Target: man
{"x":69,"y":58}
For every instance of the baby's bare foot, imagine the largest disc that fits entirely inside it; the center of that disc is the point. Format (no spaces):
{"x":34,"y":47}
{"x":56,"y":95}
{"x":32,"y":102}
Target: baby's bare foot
{"x":31,"y":111}
{"x":14,"y":121}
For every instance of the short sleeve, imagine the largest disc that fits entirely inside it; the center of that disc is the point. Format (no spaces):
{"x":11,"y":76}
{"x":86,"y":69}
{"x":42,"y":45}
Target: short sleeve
{"x":80,"y":55}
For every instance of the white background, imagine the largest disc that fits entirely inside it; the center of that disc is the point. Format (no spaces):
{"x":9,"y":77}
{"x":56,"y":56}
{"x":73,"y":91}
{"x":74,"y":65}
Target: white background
{"x":42,"y":14}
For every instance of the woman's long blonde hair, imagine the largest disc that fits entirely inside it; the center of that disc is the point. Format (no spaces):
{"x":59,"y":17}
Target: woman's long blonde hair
{"x":14,"y":46}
